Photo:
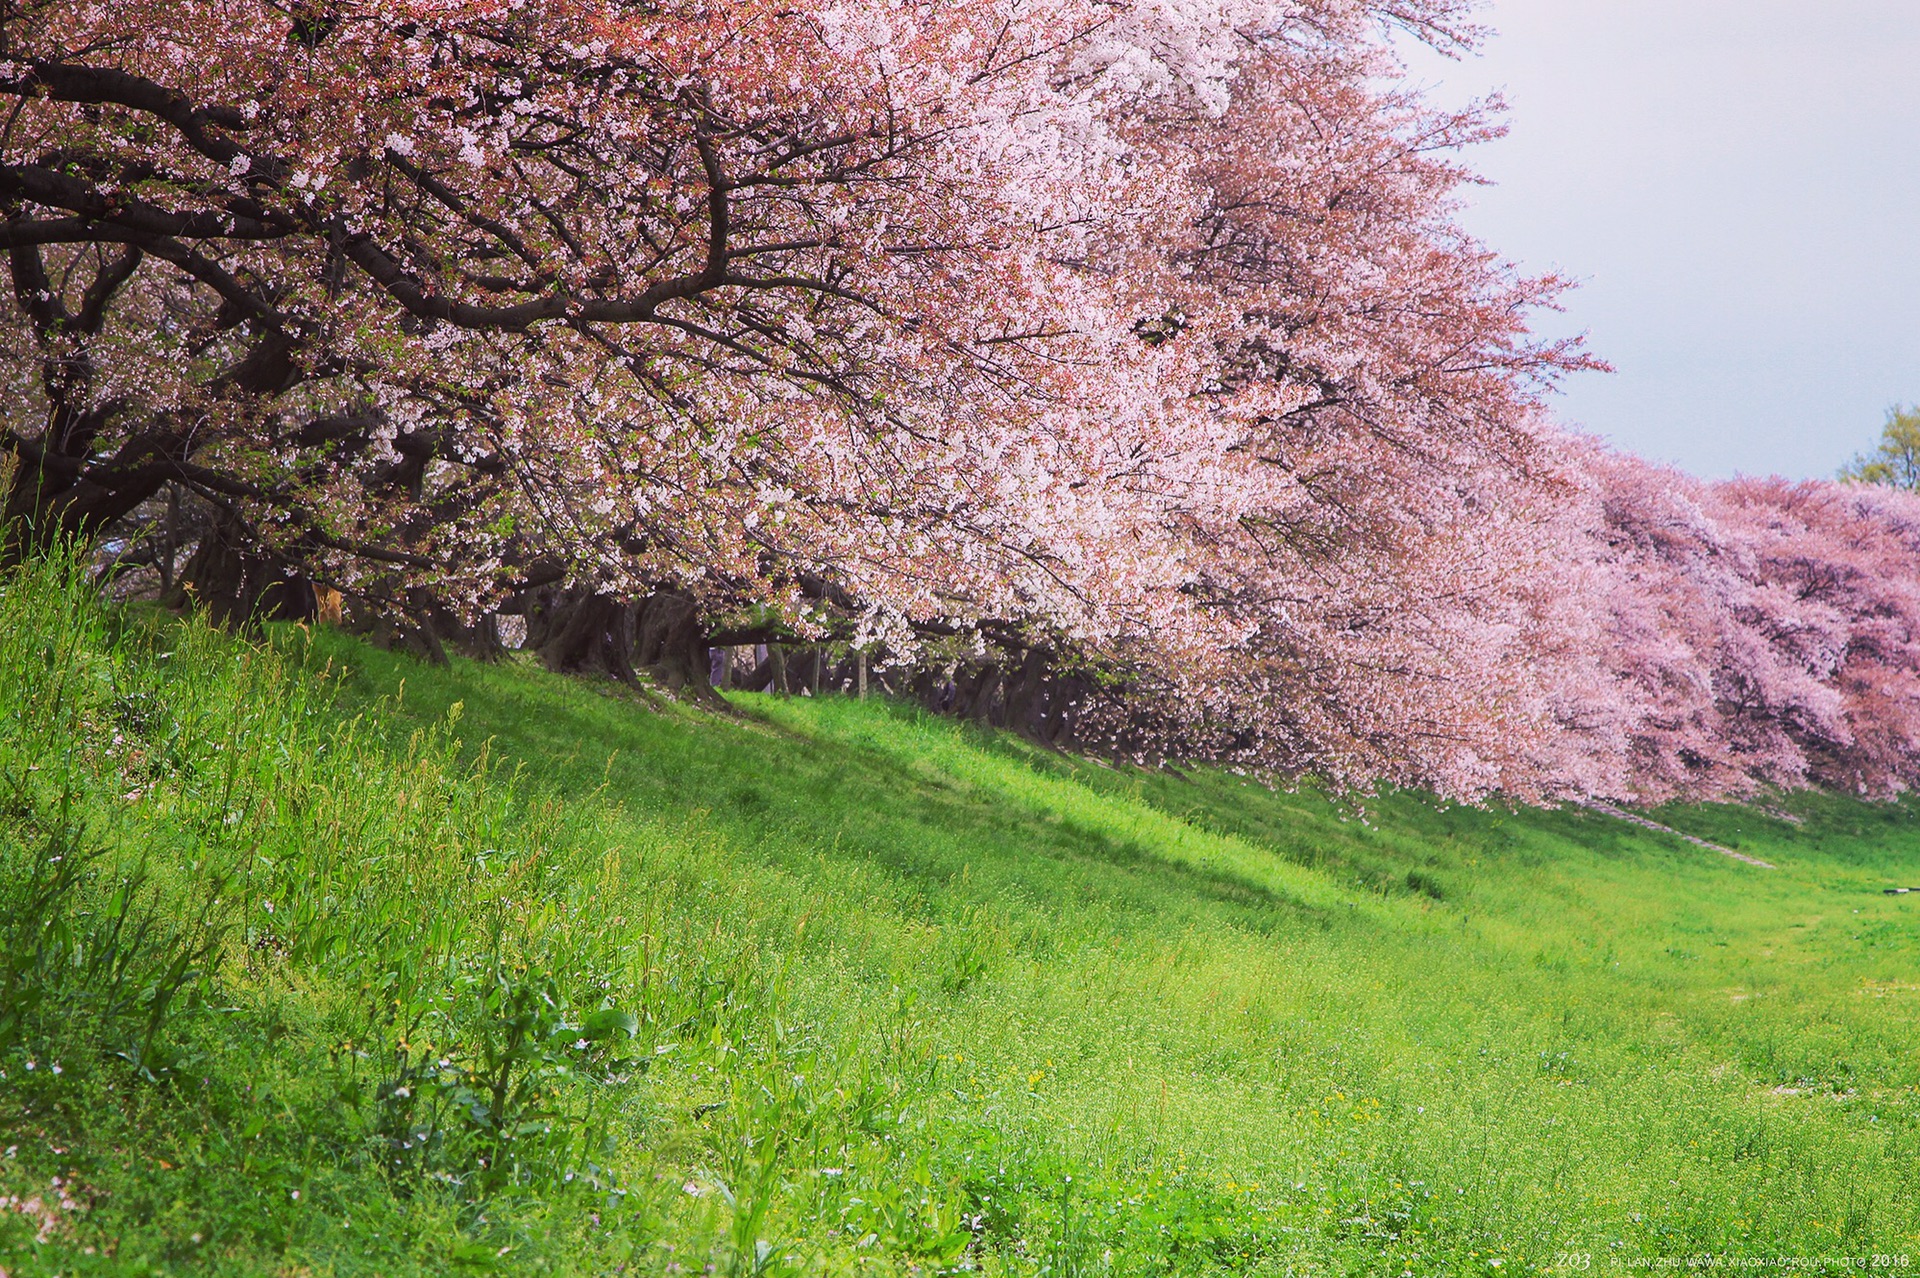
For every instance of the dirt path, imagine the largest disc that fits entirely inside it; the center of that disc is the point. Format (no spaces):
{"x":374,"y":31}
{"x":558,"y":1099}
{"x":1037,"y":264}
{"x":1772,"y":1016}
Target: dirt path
{"x":1624,"y":815}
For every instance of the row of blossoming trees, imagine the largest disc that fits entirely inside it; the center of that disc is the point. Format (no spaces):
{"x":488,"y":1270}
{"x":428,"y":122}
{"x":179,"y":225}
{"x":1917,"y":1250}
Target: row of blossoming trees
{"x":1128,"y":341}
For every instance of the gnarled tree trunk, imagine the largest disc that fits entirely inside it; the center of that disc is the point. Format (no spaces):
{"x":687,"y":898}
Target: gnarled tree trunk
{"x":581,"y":631}
{"x":238,"y":586}
{"x":670,"y":644}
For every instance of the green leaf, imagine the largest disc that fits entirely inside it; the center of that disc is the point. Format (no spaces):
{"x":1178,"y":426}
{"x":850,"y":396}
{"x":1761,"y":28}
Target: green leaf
{"x":609,"y":1021}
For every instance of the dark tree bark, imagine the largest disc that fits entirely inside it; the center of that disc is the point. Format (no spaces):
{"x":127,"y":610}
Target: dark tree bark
{"x":236,"y":585}
{"x":1063,"y":702}
{"x":671,"y":644}
{"x":169,"y":541}
{"x":761,"y":677}
{"x":660,"y":635}
{"x":933,"y":687}
{"x":975,"y":695}
{"x":385,"y":630}
{"x":582,"y":632}
{"x":1025,"y":690}
{"x":478,"y":639}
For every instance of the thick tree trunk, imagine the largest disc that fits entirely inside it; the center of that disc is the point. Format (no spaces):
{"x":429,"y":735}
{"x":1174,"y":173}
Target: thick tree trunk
{"x":1063,"y":703}
{"x":169,"y":542}
{"x":932,"y":687}
{"x":478,"y":639}
{"x":1024,"y":692}
{"x":238,"y":587}
{"x":385,"y":631}
{"x":580,"y":632}
{"x":670,"y":644}
{"x":975,"y":695}
{"x":585,"y":632}
{"x":802,"y":670}
{"x":760,"y":678}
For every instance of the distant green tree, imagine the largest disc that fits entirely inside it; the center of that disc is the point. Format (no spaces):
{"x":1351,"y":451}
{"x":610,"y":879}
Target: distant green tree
{"x":1896,"y":459}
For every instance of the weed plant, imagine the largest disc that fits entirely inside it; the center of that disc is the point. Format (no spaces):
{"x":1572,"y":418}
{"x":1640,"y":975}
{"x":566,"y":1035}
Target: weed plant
{"x":318,"y":961}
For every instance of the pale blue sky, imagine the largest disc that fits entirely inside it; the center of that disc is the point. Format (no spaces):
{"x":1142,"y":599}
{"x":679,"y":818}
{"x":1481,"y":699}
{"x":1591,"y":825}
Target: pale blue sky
{"x":1737,"y":184}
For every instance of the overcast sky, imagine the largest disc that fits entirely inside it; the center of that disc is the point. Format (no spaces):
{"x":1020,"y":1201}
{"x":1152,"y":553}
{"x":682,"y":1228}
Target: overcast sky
{"x":1737,"y":185}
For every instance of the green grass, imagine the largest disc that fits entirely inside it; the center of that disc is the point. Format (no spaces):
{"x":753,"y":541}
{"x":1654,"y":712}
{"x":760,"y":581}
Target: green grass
{"x":352,"y":965}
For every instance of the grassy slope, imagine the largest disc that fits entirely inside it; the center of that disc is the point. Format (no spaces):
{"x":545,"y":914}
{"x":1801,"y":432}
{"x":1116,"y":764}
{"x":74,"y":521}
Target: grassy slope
{"x":901,"y":994}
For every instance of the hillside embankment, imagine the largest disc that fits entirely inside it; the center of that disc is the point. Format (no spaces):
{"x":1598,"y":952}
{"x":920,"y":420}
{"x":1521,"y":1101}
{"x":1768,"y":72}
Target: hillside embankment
{"x":319,"y":961}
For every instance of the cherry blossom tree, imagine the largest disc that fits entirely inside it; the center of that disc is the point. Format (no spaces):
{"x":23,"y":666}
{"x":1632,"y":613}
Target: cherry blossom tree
{"x":1757,"y":633}
{"x":1837,"y":564}
{"x":435,"y":293}
{"x":1127,"y":346}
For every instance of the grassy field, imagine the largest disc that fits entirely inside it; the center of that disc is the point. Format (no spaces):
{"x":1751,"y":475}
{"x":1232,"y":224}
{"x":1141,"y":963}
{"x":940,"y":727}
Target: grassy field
{"x":318,"y":961}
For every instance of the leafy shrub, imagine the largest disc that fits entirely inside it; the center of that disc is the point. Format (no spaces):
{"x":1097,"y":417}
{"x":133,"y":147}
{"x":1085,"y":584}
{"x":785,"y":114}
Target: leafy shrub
{"x":484,"y":1083}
